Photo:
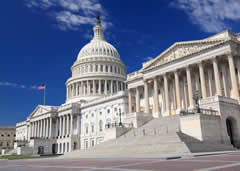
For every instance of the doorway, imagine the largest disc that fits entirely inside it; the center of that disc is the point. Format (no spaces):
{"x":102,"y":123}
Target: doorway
{"x":231,"y":130}
{"x":54,"y":147}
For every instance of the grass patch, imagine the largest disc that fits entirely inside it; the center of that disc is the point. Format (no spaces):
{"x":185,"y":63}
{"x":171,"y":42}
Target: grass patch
{"x":17,"y":157}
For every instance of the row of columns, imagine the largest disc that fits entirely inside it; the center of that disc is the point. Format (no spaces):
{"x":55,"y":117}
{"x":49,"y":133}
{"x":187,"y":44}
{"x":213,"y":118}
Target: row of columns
{"x":64,"y":125}
{"x":190,"y":100}
{"x":101,"y":68}
{"x":94,"y":87}
{"x":41,"y":128}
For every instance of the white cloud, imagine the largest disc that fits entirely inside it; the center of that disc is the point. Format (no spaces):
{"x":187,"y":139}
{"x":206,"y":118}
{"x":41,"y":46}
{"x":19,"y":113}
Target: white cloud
{"x":149,"y":58}
{"x":9,"y":84}
{"x":71,"y":14}
{"x":212,"y":15}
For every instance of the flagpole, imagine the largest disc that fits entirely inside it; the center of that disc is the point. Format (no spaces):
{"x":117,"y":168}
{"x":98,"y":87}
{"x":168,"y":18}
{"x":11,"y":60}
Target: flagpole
{"x":44,"y":97}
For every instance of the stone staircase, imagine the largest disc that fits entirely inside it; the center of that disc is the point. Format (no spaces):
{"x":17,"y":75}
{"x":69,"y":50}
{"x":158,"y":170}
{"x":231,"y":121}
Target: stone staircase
{"x":159,"y":136}
{"x":11,"y":152}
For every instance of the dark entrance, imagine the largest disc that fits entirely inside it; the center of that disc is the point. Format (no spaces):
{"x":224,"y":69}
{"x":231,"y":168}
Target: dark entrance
{"x":54,"y":148}
{"x":230,"y":129}
{"x":40,"y":150}
{"x":74,"y":146}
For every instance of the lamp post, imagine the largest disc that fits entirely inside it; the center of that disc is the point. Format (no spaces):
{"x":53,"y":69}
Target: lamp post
{"x":196,"y":97}
{"x":120,"y":115}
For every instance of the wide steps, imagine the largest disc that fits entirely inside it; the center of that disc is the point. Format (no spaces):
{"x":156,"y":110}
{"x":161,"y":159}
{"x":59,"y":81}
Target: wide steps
{"x":158,"y":136}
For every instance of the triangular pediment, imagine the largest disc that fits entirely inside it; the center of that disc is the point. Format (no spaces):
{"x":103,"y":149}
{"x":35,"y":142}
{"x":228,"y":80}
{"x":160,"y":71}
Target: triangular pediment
{"x":39,"y":110}
{"x":179,"y":50}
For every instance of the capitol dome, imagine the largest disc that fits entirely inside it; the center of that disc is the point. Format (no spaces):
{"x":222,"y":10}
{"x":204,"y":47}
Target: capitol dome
{"x":98,"y":70}
{"x":98,"y":46}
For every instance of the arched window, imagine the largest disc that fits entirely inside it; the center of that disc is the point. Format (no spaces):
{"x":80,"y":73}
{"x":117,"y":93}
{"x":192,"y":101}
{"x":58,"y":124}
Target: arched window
{"x":86,"y":128}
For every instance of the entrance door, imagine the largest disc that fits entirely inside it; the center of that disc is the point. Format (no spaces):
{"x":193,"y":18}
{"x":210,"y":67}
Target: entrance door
{"x":230,"y":130}
{"x":54,"y":147}
{"x":40,"y":150}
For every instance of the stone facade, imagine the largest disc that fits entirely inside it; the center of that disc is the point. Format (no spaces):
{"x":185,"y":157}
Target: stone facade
{"x":96,"y":101}
{"x":209,"y":69}
{"x":7,"y":137}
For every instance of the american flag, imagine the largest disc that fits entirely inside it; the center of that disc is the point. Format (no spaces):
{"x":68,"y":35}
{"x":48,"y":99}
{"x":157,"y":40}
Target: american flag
{"x":41,"y":87}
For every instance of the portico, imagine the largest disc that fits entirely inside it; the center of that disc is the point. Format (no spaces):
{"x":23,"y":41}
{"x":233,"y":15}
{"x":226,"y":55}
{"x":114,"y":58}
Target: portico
{"x":169,"y":81}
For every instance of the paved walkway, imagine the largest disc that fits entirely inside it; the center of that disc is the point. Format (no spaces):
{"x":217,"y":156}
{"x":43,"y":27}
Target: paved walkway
{"x":227,"y":161}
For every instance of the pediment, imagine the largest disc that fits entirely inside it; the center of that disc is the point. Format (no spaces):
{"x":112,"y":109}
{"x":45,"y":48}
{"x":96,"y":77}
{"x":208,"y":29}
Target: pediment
{"x":40,"y":110}
{"x":179,"y":50}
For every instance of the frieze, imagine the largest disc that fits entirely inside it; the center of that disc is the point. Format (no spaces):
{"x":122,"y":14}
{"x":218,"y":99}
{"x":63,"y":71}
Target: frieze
{"x":181,"y":49}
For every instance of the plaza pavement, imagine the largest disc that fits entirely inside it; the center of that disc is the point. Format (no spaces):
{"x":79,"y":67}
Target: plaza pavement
{"x":205,"y":161}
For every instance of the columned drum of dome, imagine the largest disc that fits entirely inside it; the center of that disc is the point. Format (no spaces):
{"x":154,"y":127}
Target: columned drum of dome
{"x":98,"y":70}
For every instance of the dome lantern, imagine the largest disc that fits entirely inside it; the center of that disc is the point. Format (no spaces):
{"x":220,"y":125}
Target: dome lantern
{"x":98,"y":30}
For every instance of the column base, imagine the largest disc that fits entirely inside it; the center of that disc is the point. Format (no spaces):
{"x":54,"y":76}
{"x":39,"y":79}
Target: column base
{"x":156,"y":115}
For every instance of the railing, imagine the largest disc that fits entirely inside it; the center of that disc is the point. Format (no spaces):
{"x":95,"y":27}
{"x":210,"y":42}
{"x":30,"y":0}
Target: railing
{"x":200,"y":111}
{"x":113,"y":125}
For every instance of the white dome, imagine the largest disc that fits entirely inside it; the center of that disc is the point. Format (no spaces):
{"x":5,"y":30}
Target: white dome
{"x":98,"y":48}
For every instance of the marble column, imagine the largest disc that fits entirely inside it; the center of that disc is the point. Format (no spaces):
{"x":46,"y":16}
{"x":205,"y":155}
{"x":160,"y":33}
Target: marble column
{"x":71,"y":124}
{"x":94,"y":87}
{"x":57,"y":127}
{"x":190,"y":93}
{"x":117,"y":86}
{"x":217,"y":77}
{"x":47,"y":128}
{"x":50,"y":128}
{"x":67,"y":124}
{"x":44,"y":128}
{"x":233,"y":77}
{"x":202,"y":79}
{"x":224,"y":80}
{"x":105,"y":87}
{"x":210,"y":82}
{"x":99,"y":87}
{"x":156,"y":100}
{"x":64,"y":125}
{"x":167,"y":107}
{"x":177,"y":87}
{"x":88,"y":88}
{"x":111,"y":86}
{"x":137,"y":100}
{"x":67,"y":93}
{"x":41,"y":128}
{"x":60,"y":126}
{"x":146,"y":97}
{"x":130,"y":101}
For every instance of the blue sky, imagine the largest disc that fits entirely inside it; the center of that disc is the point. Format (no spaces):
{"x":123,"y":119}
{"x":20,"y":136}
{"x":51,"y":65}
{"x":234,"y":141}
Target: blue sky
{"x":40,"y":40}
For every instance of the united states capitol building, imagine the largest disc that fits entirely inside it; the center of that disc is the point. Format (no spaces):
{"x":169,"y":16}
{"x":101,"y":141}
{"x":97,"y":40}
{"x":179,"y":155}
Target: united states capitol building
{"x":185,"y":100}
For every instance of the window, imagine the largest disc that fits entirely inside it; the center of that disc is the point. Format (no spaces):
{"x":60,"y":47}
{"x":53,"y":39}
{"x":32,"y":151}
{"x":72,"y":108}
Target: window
{"x":86,"y":116}
{"x":96,"y":68}
{"x":108,"y":111}
{"x":8,"y":135}
{"x":92,"y":143}
{"x":100,"y":113}
{"x":115,"y":109}
{"x":86,"y":129}
{"x":92,"y":126}
{"x":92,"y":114}
{"x":100,"y":125}
{"x":2,"y":135}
